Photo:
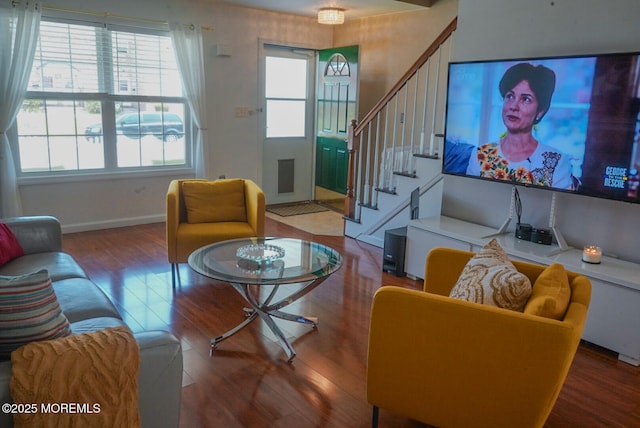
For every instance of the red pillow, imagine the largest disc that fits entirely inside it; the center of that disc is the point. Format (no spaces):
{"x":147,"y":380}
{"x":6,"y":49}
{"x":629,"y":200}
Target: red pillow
{"x":9,"y":246}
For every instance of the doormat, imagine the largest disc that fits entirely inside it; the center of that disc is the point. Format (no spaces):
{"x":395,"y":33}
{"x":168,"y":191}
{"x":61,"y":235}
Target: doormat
{"x":296,"y":209}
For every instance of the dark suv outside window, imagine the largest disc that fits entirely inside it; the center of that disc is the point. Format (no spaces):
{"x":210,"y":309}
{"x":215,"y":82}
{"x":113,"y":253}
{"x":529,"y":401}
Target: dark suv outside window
{"x":166,"y":126}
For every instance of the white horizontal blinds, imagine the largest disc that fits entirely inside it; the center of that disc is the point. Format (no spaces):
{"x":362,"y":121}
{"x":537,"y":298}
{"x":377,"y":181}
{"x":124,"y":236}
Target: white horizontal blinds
{"x":66,"y":59}
{"x":92,"y":59}
{"x":144,"y":65}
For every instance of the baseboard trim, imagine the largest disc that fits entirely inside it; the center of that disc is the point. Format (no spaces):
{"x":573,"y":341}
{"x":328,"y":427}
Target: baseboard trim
{"x":371,"y":239}
{"x":112,"y":223}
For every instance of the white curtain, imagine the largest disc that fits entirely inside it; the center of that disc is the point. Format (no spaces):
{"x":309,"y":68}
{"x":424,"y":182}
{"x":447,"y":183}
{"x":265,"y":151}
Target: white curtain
{"x":188,"y":46}
{"x":19,"y":27}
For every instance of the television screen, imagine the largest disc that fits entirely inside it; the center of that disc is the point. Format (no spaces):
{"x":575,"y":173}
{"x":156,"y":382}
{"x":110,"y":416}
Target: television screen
{"x":570,"y":124}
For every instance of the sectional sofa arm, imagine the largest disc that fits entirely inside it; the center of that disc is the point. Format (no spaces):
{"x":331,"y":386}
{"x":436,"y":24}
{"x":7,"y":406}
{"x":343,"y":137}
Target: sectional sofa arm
{"x":36,"y":234}
{"x":160,"y":379}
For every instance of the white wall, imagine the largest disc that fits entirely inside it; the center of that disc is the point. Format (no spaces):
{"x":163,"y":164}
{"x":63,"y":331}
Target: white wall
{"x":516,"y":28}
{"x":235,"y":148}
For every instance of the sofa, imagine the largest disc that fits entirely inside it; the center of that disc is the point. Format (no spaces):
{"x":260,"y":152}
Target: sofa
{"x":88,"y":309}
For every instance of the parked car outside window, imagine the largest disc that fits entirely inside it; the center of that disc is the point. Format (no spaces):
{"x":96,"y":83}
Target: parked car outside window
{"x":166,"y":126}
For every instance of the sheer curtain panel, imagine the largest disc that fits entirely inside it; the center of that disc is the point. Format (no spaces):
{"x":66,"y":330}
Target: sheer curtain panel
{"x":19,"y":27}
{"x":188,"y":48}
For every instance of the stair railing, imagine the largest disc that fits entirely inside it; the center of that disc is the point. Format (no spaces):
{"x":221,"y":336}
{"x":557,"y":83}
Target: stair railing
{"x":389,"y":136}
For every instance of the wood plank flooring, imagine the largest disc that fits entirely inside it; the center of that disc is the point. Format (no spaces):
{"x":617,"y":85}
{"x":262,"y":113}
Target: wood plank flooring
{"x":247,"y":381}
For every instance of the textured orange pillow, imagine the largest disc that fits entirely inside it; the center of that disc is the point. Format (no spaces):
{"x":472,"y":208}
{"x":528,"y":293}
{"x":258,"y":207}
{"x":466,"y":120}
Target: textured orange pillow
{"x":551,"y":293}
{"x":491,"y":279}
{"x":214,"y":201}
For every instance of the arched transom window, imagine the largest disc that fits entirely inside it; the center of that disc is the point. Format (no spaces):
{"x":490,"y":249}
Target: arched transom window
{"x":337,"y":66}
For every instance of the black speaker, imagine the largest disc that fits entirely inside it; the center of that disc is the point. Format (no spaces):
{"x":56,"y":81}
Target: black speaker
{"x":541,"y":236}
{"x":523,"y":231}
{"x":394,"y":250}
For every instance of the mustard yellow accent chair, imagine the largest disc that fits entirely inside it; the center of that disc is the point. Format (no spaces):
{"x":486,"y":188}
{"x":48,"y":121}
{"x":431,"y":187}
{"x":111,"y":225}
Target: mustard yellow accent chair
{"x":201,"y":212}
{"x":453,"y":363}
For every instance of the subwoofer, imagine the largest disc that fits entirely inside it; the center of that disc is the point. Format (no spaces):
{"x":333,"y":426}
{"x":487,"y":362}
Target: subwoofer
{"x":394,"y":251}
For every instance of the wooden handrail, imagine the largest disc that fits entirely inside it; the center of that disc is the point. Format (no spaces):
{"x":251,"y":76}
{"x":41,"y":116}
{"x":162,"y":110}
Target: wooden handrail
{"x":408,"y":75}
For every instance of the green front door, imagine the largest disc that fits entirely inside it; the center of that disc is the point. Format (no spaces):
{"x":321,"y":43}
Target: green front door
{"x":337,"y":107}
{"x":332,"y":160}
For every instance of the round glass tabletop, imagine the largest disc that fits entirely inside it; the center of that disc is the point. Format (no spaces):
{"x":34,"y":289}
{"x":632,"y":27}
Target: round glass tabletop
{"x":265,"y":261}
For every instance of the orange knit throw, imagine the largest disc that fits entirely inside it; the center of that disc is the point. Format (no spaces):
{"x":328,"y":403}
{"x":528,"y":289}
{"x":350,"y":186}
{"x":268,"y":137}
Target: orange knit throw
{"x":85,"y":380}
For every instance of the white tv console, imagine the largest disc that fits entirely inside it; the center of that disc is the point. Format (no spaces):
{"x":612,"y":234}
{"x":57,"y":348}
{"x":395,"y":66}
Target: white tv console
{"x":613,"y":320}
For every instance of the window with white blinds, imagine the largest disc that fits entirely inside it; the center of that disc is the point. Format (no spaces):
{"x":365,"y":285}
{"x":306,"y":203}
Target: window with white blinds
{"x":102,"y":99}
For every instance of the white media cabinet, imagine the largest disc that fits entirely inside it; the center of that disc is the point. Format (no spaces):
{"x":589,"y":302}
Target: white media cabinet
{"x":613,"y":320}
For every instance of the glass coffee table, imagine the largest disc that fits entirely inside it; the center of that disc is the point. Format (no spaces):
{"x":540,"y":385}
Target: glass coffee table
{"x":269,"y":273}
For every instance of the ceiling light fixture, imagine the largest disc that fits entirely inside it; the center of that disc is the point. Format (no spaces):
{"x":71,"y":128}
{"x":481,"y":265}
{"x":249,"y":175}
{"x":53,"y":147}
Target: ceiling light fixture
{"x":331,"y":15}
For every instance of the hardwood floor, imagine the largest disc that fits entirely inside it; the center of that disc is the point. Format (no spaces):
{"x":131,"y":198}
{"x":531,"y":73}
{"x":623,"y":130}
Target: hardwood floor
{"x":247,"y":381}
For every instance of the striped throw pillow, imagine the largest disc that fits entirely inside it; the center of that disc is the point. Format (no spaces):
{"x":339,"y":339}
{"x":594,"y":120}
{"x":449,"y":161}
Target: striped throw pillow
{"x":29,"y":311}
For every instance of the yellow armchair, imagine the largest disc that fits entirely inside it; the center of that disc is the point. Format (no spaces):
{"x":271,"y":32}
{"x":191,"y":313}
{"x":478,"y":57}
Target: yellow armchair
{"x":452,"y":363}
{"x":201,"y":212}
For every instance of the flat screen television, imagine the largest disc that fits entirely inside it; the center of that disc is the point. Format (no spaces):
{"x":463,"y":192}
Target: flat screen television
{"x":569,"y":124}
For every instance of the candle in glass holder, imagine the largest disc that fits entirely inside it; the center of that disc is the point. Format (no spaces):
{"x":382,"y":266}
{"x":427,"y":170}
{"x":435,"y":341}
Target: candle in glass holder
{"x":592,"y":254}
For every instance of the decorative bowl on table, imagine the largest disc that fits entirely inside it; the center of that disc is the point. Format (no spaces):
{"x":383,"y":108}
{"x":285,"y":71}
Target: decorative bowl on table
{"x":260,"y":253}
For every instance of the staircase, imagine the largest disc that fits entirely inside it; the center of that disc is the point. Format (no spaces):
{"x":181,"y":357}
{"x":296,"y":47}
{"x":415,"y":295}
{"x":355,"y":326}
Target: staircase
{"x":396,"y":149}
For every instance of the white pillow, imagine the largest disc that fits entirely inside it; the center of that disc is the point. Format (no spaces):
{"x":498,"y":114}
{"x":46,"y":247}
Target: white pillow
{"x":491,"y":279}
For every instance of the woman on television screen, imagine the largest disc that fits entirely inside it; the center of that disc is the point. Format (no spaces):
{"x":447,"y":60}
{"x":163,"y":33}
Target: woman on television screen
{"x":518,"y":156}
